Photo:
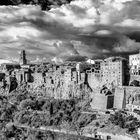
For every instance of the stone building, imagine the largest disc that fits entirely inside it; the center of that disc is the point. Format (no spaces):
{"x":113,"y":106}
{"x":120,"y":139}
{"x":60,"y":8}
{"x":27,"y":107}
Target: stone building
{"x":94,"y":77}
{"x":111,"y":72}
{"x":38,"y":79}
{"x":23,"y":60}
{"x":119,"y":98}
{"x":102,"y":101}
{"x":134,"y":64}
{"x":62,"y":81}
{"x":114,"y":71}
{"x":127,"y":97}
{"x":94,"y":74}
{"x":23,"y":76}
{"x":9,"y":67}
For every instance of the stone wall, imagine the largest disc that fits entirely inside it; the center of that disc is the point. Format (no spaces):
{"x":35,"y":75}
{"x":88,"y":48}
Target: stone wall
{"x":99,"y":102}
{"x":94,"y":81}
{"x":125,"y":95}
{"x":119,"y":98}
{"x":102,"y":102}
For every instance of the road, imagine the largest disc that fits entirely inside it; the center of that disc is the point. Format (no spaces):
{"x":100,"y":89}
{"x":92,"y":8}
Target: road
{"x":44,"y":129}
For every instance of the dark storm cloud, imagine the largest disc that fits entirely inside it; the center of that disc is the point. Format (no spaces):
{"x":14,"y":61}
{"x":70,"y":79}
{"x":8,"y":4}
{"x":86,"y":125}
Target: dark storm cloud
{"x":134,"y":36}
{"x":76,"y":58}
{"x":45,"y":4}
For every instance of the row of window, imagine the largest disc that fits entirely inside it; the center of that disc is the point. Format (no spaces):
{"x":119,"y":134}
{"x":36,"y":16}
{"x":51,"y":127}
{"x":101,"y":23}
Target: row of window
{"x":135,"y":58}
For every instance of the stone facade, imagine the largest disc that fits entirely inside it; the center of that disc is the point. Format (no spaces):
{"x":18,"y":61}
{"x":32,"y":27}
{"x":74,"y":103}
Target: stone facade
{"x":134,"y":62}
{"x":94,"y":78}
{"x":23,"y":60}
{"x":119,"y":98}
{"x":112,"y":72}
{"x":60,"y":82}
{"x":127,"y":97}
{"x":102,"y":101}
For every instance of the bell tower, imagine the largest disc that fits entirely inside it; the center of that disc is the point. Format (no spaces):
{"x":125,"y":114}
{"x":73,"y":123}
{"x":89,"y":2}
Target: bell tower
{"x":23,"y":60}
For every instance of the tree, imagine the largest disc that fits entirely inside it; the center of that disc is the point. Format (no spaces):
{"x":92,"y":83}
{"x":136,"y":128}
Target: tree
{"x":27,"y":103}
{"x":39,"y":103}
{"x":46,"y":106}
{"x":21,"y":97}
{"x":51,"y":109}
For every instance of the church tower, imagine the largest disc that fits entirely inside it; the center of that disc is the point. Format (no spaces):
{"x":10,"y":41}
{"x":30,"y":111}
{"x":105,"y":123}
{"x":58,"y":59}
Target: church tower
{"x":23,"y":60}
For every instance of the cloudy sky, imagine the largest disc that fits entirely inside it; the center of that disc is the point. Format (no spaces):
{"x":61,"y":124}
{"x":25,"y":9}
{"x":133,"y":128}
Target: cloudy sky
{"x":83,"y":28}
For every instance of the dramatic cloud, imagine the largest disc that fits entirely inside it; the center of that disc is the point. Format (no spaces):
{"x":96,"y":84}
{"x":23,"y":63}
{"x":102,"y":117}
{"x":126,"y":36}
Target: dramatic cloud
{"x":81,"y":29}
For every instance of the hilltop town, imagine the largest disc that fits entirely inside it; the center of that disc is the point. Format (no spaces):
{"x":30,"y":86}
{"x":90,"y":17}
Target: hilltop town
{"x":110,"y":79}
{"x":107,"y":90}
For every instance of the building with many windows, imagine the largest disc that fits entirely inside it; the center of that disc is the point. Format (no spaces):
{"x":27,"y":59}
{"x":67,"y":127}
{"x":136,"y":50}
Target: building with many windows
{"x":134,"y":63}
{"x":114,"y":71}
{"x":110,"y":72}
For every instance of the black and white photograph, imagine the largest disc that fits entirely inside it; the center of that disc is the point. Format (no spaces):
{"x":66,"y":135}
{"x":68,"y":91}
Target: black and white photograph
{"x":69,"y":69}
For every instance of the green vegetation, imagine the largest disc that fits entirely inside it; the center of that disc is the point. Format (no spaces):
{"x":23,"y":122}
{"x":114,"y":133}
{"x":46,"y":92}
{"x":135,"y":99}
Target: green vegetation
{"x":136,"y":111}
{"x":24,"y":115}
{"x":125,"y":121}
{"x":21,"y":110}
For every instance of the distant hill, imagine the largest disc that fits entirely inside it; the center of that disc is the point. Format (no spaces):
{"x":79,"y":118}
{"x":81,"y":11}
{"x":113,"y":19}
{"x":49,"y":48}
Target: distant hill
{"x":45,"y":4}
